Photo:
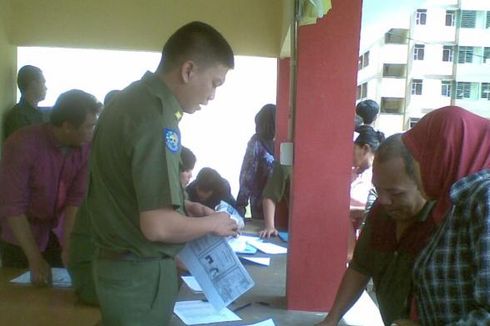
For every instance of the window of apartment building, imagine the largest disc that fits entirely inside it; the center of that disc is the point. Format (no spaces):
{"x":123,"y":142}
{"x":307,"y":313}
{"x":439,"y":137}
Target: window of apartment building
{"x":417,"y":86}
{"x":394,"y":70}
{"x":365,"y":61}
{"x":485,"y":90}
{"x":447,"y":53}
{"x":468,"y":18}
{"x":446,"y":88}
{"x":463,"y":90}
{"x":418,"y":52}
{"x":450,"y":17}
{"x":421,"y":17}
{"x":487,"y":25}
{"x":391,"y":105}
{"x":361,"y":91}
{"x":465,"y":54}
{"x":486,"y":55}
{"x":364,"y":90}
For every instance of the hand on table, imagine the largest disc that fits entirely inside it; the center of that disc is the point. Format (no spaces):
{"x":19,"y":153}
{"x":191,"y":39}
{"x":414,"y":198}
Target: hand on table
{"x":40,"y":272}
{"x":268,"y":232}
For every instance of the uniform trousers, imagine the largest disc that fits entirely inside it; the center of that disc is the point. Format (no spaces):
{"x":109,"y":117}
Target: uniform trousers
{"x":136,"y":292}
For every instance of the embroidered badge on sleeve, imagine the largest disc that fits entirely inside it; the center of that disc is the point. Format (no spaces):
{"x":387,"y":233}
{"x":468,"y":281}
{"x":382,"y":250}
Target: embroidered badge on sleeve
{"x":171,"y":138}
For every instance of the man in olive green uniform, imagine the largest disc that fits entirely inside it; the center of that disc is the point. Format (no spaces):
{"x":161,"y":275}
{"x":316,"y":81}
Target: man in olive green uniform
{"x":135,"y":199}
{"x":32,"y":86}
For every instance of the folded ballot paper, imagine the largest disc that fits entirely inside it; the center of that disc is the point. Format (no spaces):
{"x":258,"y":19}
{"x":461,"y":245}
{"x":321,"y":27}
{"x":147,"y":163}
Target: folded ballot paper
{"x":217,"y":270}
{"x":227,"y":208}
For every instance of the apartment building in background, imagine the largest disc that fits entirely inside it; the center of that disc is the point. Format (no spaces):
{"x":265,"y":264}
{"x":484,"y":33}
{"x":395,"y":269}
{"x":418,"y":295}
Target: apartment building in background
{"x":442,"y":58}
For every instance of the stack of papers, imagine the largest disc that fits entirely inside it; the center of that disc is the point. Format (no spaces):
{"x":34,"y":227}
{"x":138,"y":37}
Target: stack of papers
{"x":266,"y":247}
{"x":240,"y":246}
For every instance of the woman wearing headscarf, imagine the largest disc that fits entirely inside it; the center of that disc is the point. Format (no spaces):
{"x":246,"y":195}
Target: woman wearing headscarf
{"x":451,"y":276}
{"x":257,"y":162}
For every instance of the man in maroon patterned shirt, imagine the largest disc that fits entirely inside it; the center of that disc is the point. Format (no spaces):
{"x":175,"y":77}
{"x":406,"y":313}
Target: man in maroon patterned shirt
{"x":42,"y":183}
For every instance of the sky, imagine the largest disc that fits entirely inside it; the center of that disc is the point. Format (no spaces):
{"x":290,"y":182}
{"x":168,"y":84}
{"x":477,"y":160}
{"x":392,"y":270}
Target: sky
{"x":218,"y":134}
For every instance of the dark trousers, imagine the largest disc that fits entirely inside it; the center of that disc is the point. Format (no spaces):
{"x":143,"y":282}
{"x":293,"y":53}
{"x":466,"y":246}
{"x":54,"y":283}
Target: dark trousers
{"x":13,"y":256}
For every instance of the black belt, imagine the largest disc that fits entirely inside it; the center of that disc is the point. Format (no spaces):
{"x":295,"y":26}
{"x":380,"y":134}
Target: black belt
{"x":126,"y":256}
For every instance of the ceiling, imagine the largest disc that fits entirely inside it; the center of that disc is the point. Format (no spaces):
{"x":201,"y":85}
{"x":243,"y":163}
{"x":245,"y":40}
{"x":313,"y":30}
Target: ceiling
{"x":253,"y":27}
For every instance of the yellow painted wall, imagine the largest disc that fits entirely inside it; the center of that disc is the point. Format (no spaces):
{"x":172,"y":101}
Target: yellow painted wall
{"x":253,"y":27}
{"x":8,"y":64}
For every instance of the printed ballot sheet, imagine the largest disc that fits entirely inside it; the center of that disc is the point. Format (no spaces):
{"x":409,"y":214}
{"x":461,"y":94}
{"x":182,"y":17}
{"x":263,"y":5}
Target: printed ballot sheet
{"x":217,"y":269}
{"x":61,"y":278}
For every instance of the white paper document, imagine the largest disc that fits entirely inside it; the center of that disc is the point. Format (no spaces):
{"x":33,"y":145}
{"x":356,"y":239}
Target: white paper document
{"x":199,"y":312}
{"x":268,"y":248}
{"x":192,"y":283}
{"x":265,"y":261}
{"x":240,"y":245}
{"x":60,"y":276}
{"x":217,"y":269}
{"x":363,"y":312}
{"x":268,"y":322}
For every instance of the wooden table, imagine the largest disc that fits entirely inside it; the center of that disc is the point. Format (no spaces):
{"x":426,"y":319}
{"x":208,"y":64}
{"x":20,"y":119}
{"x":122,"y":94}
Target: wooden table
{"x":32,"y":306}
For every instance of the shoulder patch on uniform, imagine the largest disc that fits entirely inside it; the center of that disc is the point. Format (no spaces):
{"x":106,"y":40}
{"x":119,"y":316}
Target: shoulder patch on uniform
{"x":172,"y":139}
{"x":178,"y":115}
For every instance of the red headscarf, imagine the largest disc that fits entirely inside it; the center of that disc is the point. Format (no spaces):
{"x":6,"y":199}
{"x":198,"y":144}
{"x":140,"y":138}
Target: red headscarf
{"x":449,"y":143}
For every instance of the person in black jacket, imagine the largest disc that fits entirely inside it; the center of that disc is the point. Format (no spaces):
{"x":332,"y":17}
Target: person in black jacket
{"x":210,"y":188}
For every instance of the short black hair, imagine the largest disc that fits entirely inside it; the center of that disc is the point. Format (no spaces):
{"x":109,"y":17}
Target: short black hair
{"x":367,"y":110}
{"x":357,"y":122}
{"x":188,"y":159}
{"x":26,"y":75}
{"x":73,"y":106}
{"x":394,"y":147}
{"x":199,"y":42}
{"x":209,"y":179}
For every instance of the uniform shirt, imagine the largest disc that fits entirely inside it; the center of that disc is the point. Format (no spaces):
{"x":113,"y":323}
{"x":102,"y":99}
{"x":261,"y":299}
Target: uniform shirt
{"x":452,"y":274}
{"x":134,"y":167}
{"x":390,"y":264}
{"x":277,"y":186}
{"x":21,"y":115}
{"x":38,"y":178}
{"x":256,"y":169}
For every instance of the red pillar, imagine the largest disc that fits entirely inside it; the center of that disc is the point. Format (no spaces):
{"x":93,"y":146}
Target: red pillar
{"x":326,"y":87}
